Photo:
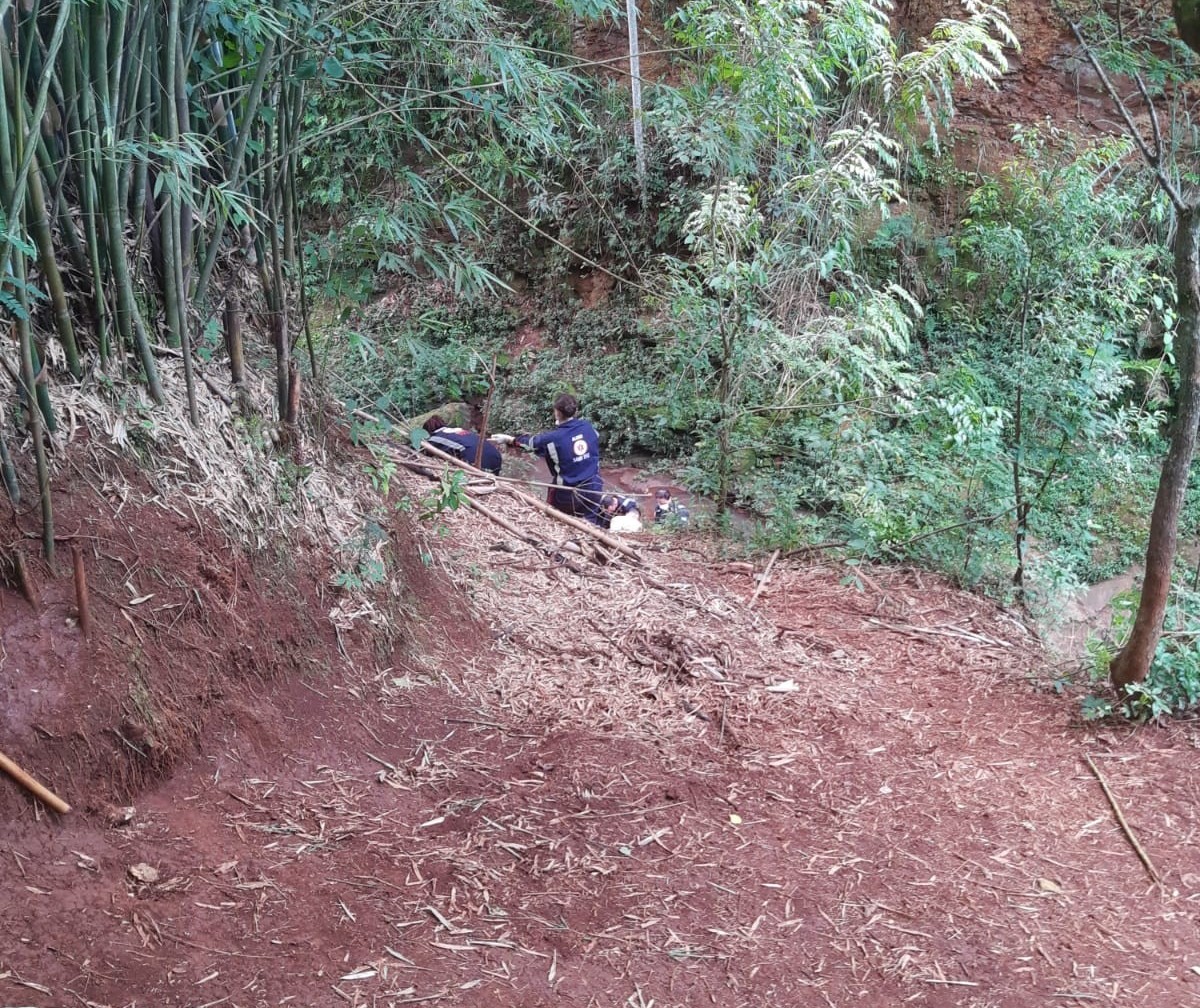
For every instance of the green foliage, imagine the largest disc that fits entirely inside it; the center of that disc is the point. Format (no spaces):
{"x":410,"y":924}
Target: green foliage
{"x":402,"y":359}
{"x":449,"y":495}
{"x":1037,"y":309}
{"x":804,"y":342}
{"x":1173,"y":684}
{"x":363,"y":557}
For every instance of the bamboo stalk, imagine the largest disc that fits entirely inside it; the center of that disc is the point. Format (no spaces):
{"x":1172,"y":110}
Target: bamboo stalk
{"x":762,"y":581}
{"x":487,"y":414}
{"x":34,"y":418}
{"x":233,"y":339}
{"x":39,"y":227}
{"x":82,"y":603}
{"x":85,"y":128}
{"x":234,"y":174}
{"x":27,"y":147}
{"x":39,"y":791}
{"x":129,"y":323}
{"x":25,"y":578}
{"x":9,"y":471}
{"x":292,"y":417}
{"x":1138,"y":849}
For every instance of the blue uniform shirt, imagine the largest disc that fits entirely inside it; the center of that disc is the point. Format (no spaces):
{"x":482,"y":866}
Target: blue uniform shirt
{"x":462,"y":444}
{"x":571,"y":450}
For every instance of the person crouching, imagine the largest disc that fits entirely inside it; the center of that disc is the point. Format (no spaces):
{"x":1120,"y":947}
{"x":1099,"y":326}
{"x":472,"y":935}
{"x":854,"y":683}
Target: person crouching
{"x":463,"y":444}
{"x":620,"y":514}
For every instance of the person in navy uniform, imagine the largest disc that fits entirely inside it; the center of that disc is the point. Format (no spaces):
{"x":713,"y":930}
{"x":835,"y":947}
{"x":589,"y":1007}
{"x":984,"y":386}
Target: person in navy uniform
{"x":668,"y":509}
{"x":572,"y":454}
{"x":462,"y":444}
{"x":620,"y":514}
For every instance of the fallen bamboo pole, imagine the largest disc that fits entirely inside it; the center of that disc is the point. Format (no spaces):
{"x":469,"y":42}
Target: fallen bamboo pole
{"x":1133,"y":840}
{"x":47,"y":796}
{"x":526,"y":537}
{"x":542,"y":506}
{"x":762,"y":581}
{"x":504,"y":523}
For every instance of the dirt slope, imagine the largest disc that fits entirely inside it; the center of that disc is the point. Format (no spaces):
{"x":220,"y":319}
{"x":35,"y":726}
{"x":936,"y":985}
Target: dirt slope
{"x":570,"y":790}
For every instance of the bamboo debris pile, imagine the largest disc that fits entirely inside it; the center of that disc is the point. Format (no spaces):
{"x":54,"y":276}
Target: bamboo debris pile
{"x":595,"y":544}
{"x":643,"y":649}
{"x":212,"y":465}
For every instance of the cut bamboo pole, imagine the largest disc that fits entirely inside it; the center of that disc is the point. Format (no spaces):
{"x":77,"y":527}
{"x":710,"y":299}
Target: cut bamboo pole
{"x":25,"y":578}
{"x":1138,"y":849}
{"x":40,"y":792}
{"x":542,"y":506}
{"x":81,"y":591}
{"x":504,"y":523}
{"x":762,"y":581}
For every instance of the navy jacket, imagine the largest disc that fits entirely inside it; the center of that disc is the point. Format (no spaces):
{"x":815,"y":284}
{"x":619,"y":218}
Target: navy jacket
{"x":463,"y":444}
{"x":571,"y":451}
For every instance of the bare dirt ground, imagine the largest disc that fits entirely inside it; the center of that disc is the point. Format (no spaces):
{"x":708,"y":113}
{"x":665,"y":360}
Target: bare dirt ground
{"x":624,"y":788}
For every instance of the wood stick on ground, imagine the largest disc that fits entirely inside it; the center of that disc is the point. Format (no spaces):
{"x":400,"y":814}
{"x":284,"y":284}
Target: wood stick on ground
{"x":500,"y":520}
{"x":504,"y":523}
{"x":26,"y":781}
{"x":81,"y":591}
{"x":25,"y":578}
{"x":418,"y":468}
{"x":576,"y":523}
{"x":762,"y":581}
{"x":1133,"y":840}
{"x":542,"y":506}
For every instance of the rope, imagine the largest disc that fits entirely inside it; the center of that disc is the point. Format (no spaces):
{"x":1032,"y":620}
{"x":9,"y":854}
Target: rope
{"x":558,"y":486}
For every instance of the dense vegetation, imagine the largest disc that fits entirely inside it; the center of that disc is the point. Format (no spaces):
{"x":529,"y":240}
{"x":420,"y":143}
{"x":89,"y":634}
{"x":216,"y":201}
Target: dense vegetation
{"x":805,"y":305}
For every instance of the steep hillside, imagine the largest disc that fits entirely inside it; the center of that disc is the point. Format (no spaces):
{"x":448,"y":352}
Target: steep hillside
{"x":622,"y":786}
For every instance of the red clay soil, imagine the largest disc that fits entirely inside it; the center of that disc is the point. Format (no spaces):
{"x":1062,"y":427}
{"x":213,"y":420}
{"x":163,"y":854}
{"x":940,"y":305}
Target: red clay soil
{"x":380,"y":830}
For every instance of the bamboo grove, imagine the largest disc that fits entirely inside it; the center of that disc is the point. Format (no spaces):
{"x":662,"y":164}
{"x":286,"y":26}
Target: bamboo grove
{"x":148,"y":152}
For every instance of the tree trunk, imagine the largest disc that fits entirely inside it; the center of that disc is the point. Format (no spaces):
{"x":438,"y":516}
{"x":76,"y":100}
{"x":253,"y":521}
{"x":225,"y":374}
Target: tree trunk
{"x":1133,"y":662}
{"x":1187,"y":20}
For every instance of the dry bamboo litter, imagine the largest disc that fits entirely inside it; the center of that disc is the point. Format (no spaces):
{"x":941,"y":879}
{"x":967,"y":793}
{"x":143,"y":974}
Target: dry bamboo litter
{"x":546,"y":509}
{"x":521,"y":534}
{"x":649,"y":651}
{"x":39,"y":791}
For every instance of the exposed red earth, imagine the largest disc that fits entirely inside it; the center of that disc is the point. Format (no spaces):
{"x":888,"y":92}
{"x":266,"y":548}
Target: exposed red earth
{"x":878,"y":806}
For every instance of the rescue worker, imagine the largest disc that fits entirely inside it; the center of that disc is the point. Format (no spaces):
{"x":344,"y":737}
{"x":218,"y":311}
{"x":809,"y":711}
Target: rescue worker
{"x":462,"y":444}
{"x":667,"y":508}
{"x":572,"y":454}
{"x":620,"y":514}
